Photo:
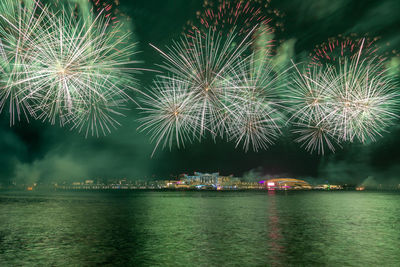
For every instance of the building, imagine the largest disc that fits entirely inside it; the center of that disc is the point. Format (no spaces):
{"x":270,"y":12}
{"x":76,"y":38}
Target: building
{"x":202,"y":178}
{"x":228,"y":183}
{"x":286,"y":184}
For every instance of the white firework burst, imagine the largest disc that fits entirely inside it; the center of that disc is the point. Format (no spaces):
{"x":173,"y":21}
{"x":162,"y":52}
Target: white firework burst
{"x":98,"y":113}
{"x":201,"y":63}
{"x":80,"y":60}
{"x":355,"y":101}
{"x":364,"y":101}
{"x":73,"y":67}
{"x":169,"y":114}
{"x":256,"y":110}
{"x":20,"y":24}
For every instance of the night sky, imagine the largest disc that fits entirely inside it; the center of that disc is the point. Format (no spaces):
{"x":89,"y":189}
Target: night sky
{"x":41,"y":152}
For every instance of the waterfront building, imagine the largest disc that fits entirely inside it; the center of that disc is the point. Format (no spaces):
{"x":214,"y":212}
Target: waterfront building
{"x":202,"y":178}
{"x":286,"y":184}
{"x":328,"y":187}
{"x":228,"y":183}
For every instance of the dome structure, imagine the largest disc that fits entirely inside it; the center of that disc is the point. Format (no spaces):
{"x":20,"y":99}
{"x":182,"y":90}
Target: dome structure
{"x":287,"y":184}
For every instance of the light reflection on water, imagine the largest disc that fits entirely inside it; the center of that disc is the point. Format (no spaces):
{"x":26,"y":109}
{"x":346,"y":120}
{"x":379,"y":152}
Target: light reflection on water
{"x":199,"y":228}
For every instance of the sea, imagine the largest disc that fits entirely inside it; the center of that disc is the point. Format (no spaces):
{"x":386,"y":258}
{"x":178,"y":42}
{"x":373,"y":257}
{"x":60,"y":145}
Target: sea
{"x":199,"y":228}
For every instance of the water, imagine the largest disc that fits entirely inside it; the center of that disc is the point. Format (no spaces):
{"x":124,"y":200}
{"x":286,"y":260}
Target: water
{"x":138,"y":228}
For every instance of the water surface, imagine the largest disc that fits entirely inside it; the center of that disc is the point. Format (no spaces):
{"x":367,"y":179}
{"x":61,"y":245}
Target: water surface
{"x":148,"y":228}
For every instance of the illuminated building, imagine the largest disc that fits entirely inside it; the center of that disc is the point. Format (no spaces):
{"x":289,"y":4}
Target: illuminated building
{"x":228,"y":183}
{"x":286,"y":184}
{"x":328,"y":187}
{"x":203,"y":178}
{"x":176,"y":184}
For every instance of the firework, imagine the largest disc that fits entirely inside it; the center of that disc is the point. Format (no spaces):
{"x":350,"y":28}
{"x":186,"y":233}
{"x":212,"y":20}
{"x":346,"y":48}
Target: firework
{"x":256,"y":109}
{"x":97,"y":114}
{"x":315,"y":136}
{"x":354,"y":100}
{"x":169,"y":114}
{"x":224,"y":18}
{"x":256,"y":125}
{"x":88,"y":8}
{"x":226,"y":94}
{"x":20,"y":24}
{"x":108,"y":7}
{"x":366,"y":101}
{"x":337,"y":49}
{"x":201,"y":63}
{"x":74,"y":63}
{"x":229,"y":14}
{"x":60,"y":66}
{"x":245,"y":108}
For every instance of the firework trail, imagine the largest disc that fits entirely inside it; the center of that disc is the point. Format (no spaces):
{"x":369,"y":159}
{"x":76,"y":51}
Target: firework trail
{"x":355,"y":100}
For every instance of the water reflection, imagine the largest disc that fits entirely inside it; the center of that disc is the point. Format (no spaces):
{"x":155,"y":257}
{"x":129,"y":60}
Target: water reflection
{"x":275,"y":238}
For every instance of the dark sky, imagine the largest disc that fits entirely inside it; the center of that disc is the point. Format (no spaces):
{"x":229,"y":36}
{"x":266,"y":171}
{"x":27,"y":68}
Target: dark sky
{"x":42,"y":152}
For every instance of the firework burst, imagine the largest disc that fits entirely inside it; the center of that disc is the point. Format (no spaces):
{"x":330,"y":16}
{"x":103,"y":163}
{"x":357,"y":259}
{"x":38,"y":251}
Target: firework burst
{"x":224,"y":18}
{"x":20,"y":24}
{"x":256,"y":109}
{"x":169,"y":114}
{"x":355,"y":100}
{"x":72,"y":64}
{"x":256,"y":124}
{"x":366,"y":101}
{"x":201,"y":63}
{"x":97,"y":115}
{"x":108,"y":7}
{"x":88,"y":8}
{"x":337,"y":49}
{"x":247,"y":108}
